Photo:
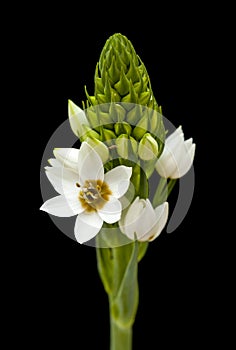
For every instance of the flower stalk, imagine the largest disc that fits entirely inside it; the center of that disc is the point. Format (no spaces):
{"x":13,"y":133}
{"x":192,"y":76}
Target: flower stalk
{"x":120,"y":338}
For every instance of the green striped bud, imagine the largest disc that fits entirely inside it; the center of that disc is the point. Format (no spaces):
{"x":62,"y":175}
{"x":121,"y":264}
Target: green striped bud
{"x":121,"y":82}
{"x":122,"y":128}
{"x":141,"y":128}
{"x":122,"y":143}
{"x":107,"y":135}
{"x":120,"y":74}
{"x":127,"y":147}
{"x":148,"y":148}
{"x":134,"y":146}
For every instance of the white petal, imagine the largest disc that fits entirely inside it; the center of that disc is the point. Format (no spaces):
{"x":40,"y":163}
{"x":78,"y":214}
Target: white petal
{"x":188,"y":143}
{"x":175,"y":136}
{"x":90,"y":165}
{"x":168,"y":161}
{"x":166,"y":164}
{"x":134,"y":210}
{"x":63,"y":180}
{"x":145,"y":221}
{"x":134,"y":217}
{"x":139,"y":218}
{"x":87,"y":226}
{"x":185,"y":163}
{"x":68,"y":157}
{"x":54,"y":162}
{"x":192,"y":151}
{"x":111,"y":212}
{"x":177,"y":156}
{"x":161,"y":216}
{"x":60,"y":206}
{"x":131,"y":213}
{"x":118,"y":180}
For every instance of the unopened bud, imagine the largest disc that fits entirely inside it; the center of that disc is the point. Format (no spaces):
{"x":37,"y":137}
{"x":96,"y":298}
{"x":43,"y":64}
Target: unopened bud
{"x":122,"y":143}
{"x":107,"y":135}
{"x":141,"y":128}
{"x":99,"y":147}
{"x":77,"y":118}
{"x":123,"y":128}
{"x":148,"y":148}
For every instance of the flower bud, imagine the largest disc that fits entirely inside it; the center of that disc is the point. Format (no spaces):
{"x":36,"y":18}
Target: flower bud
{"x":123,"y":128}
{"x":134,"y":145}
{"x":122,"y":143}
{"x":107,"y":135}
{"x":148,"y":147}
{"x":177,"y":156}
{"x":141,"y":211}
{"x":117,"y":112}
{"x":77,"y":118}
{"x":141,"y":128}
{"x":99,"y":147}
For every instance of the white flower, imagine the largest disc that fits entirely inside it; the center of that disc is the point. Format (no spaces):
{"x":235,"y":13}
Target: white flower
{"x":78,"y":176}
{"x":177,"y":156}
{"x":144,"y":221}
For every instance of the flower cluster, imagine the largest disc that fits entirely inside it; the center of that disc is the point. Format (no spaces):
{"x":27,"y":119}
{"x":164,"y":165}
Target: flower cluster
{"x":85,"y":189}
{"x":123,"y":141}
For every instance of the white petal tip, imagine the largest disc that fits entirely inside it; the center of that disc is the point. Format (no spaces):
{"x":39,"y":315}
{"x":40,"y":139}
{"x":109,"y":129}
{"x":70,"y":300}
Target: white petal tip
{"x":42,"y":208}
{"x":80,"y":242}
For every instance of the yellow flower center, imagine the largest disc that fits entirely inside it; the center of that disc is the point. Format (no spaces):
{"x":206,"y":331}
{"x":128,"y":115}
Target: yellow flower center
{"x":94,"y":195}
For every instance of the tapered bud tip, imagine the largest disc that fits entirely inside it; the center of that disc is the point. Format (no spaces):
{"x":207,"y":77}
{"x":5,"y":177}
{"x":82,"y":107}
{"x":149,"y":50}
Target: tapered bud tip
{"x":73,"y":109}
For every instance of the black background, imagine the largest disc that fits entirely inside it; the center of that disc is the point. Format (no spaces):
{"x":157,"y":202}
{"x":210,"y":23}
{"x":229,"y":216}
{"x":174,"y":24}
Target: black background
{"x":63,"y":296}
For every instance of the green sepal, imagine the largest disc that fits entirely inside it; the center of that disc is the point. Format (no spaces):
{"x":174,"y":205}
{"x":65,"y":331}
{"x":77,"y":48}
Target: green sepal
{"x":114,"y":72}
{"x":122,"y":86}
{"x":144,"y":98}
{"x":133,"y":73}
{"x":132,"y":96}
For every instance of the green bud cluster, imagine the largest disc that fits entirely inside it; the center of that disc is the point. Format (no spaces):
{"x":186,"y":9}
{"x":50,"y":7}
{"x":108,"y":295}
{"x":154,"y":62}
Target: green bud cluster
{"x":124,"y":95}
{"x":121,"y":76}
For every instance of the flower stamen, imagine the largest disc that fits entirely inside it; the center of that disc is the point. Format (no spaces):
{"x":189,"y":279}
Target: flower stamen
{"x":94,"y":195}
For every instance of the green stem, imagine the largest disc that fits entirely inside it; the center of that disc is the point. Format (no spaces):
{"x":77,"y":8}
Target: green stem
{"x":120,"y":338}
{"x":161,"y":193}
{"x":171,"y":185}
